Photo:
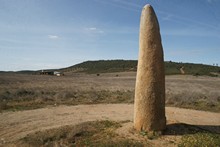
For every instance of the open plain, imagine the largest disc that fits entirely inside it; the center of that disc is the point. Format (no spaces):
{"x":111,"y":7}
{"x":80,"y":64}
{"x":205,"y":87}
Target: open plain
{"x":108,"y":96}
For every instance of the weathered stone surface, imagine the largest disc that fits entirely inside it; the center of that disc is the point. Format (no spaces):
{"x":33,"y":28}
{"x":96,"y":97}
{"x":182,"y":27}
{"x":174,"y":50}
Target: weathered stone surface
{"x":149,"y":108}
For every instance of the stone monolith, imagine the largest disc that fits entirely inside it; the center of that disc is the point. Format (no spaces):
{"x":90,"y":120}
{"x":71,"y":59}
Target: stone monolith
{"x":149,"y":107}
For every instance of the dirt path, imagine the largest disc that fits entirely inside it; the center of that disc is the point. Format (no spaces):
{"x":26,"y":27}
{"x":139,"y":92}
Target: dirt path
{"x":15,"y":125}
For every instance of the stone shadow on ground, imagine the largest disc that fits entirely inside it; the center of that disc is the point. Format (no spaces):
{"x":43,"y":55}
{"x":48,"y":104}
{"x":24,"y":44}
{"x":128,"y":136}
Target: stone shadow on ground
{"x":185,"y":129}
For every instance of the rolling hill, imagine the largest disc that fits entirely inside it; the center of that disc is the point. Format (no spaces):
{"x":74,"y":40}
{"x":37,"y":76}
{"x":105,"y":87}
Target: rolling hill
{"x":105,"y":66}
{"x":108,"y":66}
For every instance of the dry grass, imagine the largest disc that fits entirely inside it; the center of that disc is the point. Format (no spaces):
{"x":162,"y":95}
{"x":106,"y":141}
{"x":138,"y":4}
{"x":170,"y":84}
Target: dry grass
{"x":201,"y":93}
{"x":103,"y":134}
{"x":99,"y":133}
{"x":18,"y":92}
{"x":200,"y":140}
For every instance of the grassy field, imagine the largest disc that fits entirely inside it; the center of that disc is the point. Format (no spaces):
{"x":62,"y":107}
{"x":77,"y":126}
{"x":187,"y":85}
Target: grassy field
{"x":21,"y":92}
{"x":103,"y":134}
{"x":99,"y":133}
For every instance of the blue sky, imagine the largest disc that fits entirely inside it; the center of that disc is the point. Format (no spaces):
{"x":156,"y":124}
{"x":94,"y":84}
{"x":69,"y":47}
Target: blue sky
{"x":42,"y":34}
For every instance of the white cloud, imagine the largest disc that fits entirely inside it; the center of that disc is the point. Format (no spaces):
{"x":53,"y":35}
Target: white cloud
{"x":212,"y":1}
{"x":94,"y":30}
{"x":167,"y":17}
{"x":53,"y":36}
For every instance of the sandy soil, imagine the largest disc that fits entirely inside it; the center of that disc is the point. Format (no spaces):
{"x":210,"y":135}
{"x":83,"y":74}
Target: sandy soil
{"x":16,"y":125}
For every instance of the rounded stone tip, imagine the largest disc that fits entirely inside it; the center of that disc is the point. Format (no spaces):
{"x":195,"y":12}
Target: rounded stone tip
{"x":147,"y":6}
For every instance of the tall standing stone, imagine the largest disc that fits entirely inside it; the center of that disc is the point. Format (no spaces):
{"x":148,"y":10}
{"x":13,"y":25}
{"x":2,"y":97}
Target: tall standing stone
{"x":149,"y":107}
